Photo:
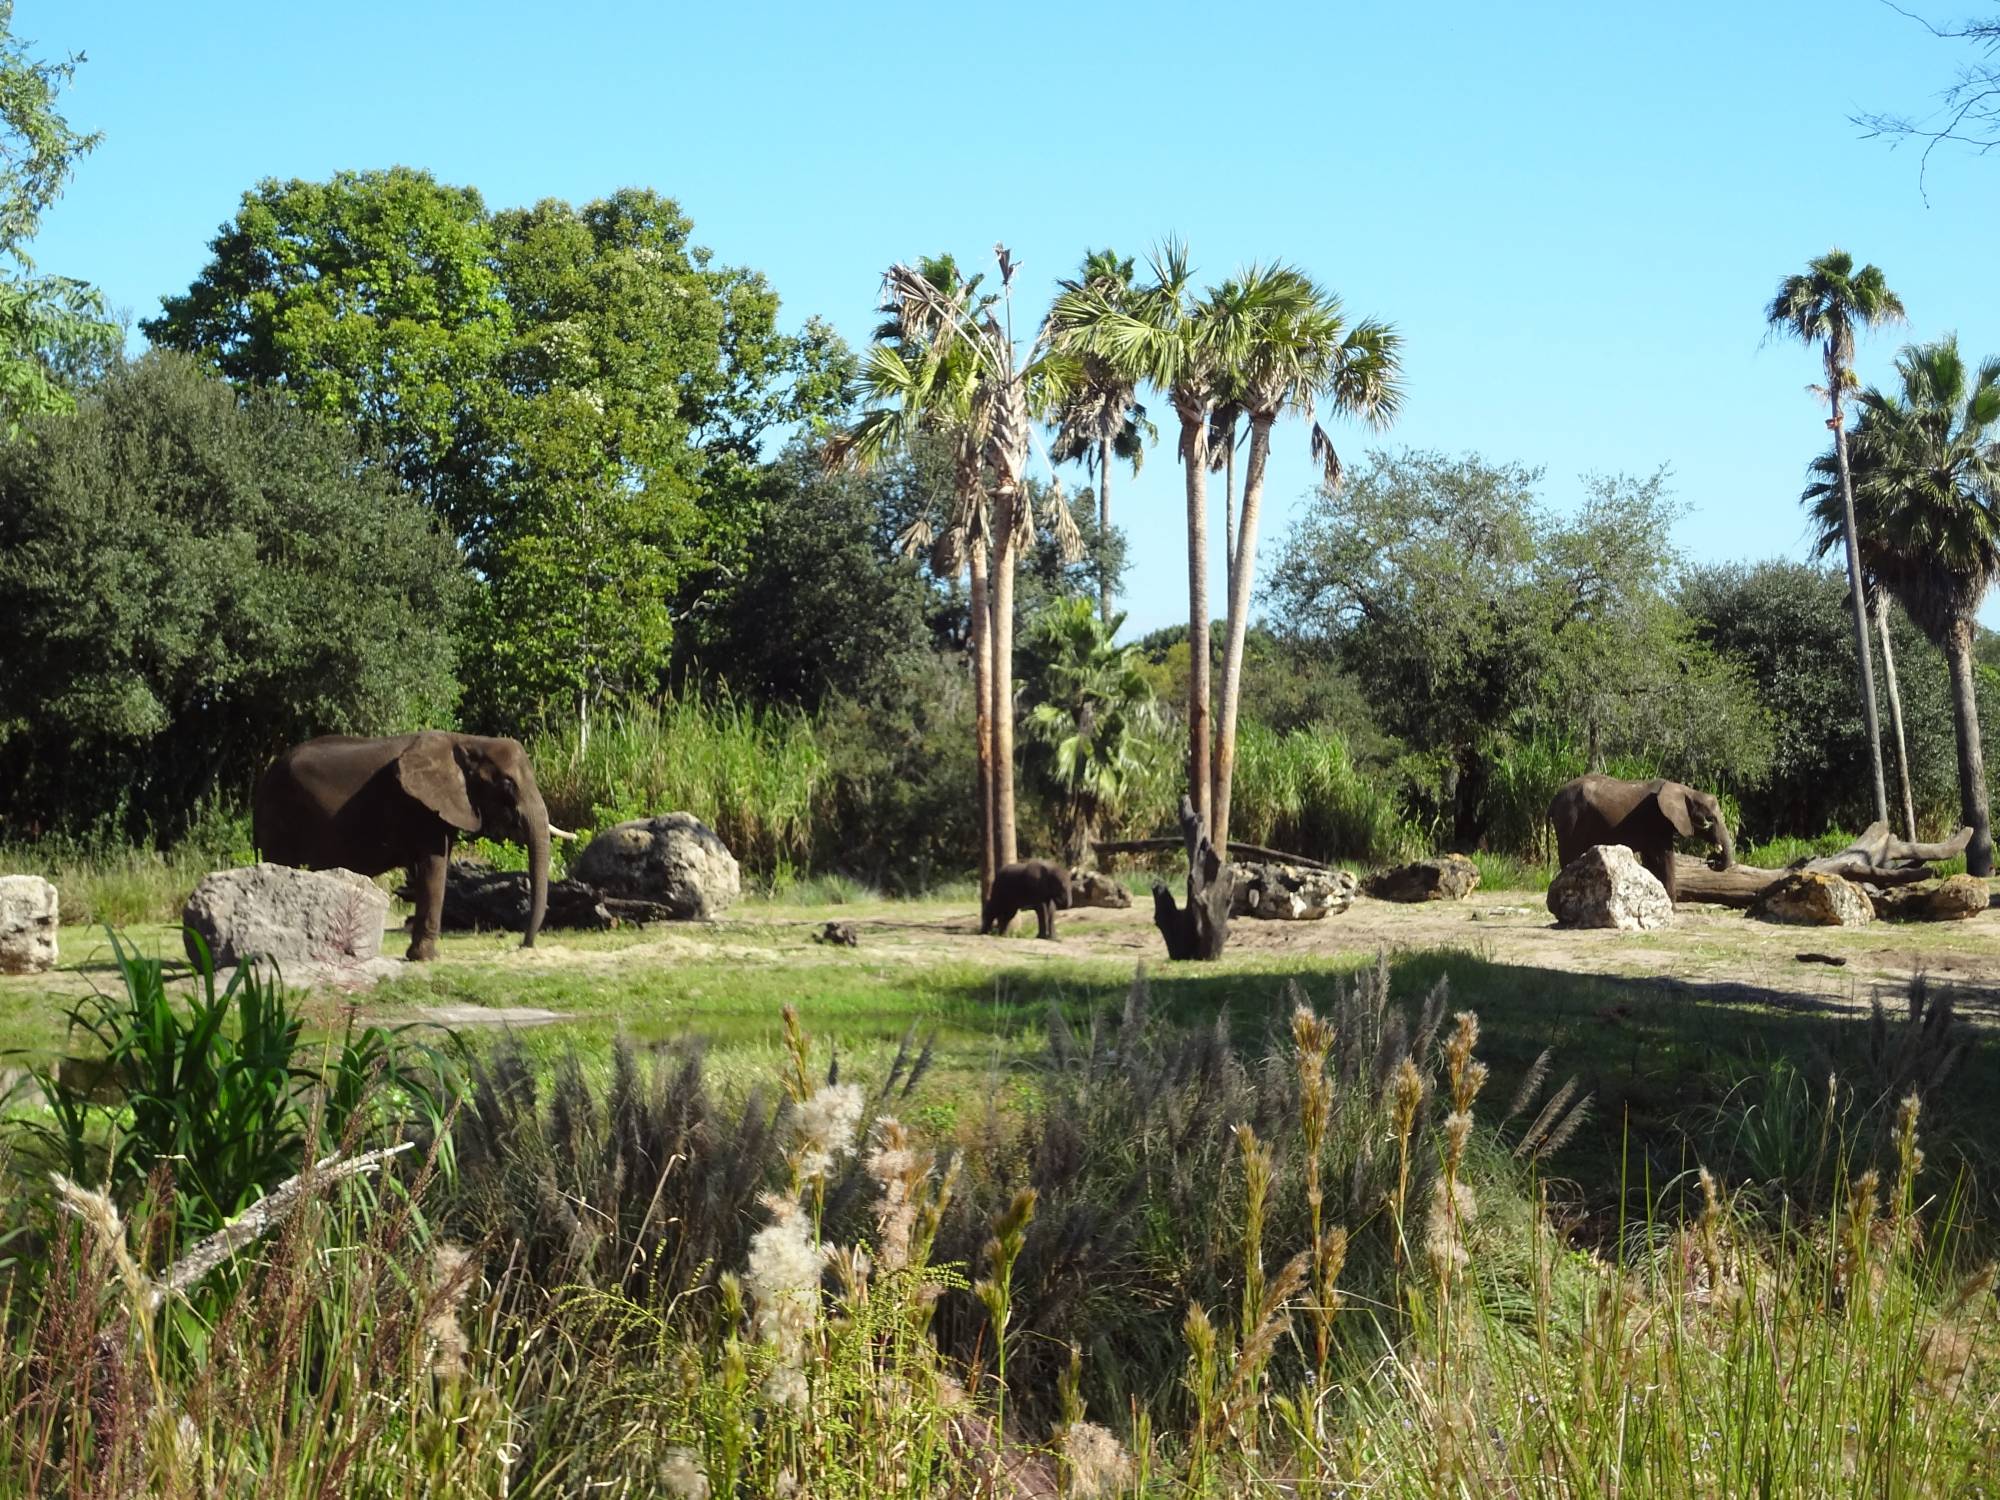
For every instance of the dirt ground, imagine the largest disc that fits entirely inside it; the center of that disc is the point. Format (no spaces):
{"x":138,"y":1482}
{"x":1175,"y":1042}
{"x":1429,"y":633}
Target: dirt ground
{"x":1709,"y":949}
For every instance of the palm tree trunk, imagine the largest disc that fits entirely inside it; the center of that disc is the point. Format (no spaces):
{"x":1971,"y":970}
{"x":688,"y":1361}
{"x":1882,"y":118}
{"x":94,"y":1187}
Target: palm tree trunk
{"x":1971,"y":755}
{"x":1103,"y":522}
{"x":1895,"y":711}
{"x":982,"y":716}
{"x":1240,"y":571}
{"x":1194,"y":458}
{"x":1004,"y":522}
{"x":1229,"y":507}
{"x":1871,"y":720}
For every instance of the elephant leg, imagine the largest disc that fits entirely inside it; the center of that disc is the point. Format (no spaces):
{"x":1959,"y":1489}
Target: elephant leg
{"x":1045,"y":920}
{"x":427,"y":893}
{"x":1661,"y":863}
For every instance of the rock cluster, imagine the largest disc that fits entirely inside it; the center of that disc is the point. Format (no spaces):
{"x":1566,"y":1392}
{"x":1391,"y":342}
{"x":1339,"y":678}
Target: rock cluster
{"x":1451,"y":877}
{"x":1606,"y":886}
{"x":301,"y":919}
{"x":1809,"y":898}
{"x":1290,"y":893}
{"x":674,"y":860}
{"x":28,"y":913}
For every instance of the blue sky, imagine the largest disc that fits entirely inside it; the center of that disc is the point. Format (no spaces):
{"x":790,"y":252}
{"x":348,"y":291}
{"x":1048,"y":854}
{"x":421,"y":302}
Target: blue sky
{"x":1575,"y":214}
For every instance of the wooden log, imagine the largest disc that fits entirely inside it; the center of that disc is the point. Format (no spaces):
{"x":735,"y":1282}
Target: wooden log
{"x":1201,"y":928}
{"x":1253,"y":851}
{"x":1876,"y":858}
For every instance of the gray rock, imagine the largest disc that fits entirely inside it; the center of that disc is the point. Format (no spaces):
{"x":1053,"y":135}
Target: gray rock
{"x":1095,"y":888}
{"x":303,"y":920}
{"x":1291,"y":893}
{"x":1810,"y":898}
{"x":674,"y":860}
{"x":28,"y":914}
{"x":1451,"y":877}
{"x":1952,"y":899}
{"x":1606,"y":886}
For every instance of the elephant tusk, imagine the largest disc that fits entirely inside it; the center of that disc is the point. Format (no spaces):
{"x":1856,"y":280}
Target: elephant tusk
{"x":561,"y":833}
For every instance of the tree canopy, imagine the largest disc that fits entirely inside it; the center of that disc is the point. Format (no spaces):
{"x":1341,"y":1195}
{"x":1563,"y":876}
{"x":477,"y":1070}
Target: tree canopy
{"x":579,"y":392}
{"x":189,"y":582}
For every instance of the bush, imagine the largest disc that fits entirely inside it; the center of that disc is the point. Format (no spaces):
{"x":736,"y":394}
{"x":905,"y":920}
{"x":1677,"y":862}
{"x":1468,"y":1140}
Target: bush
{"x":189,"y":583}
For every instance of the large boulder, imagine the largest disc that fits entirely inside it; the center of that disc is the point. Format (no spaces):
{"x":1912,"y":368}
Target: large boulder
{"x":1606,"y":886}
{"x":1452,"y":877}
{"x":674,"y":860}
{"x":1949,"y":900}
{"x":1810,"y":898}
{"x":1095,"y":888}
{"x":28,"y":912}
{"x":1291,"y":893}
{"x":304,"y":920}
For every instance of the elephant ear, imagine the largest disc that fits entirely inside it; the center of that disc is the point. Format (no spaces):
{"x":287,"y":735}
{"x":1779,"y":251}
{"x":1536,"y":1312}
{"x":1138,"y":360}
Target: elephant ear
{"x":429,"y":771}
{"x":1673,"y":802}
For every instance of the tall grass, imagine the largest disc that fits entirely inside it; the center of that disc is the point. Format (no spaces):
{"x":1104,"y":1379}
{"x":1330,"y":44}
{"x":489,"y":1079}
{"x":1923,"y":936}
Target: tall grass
{"x":1322,"y":1264}
{"x":753,"y":775}
{"x":1299,"y":791}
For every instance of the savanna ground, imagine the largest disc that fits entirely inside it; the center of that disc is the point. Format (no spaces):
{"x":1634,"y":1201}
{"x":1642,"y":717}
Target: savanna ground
{"x":1652,"y":1021}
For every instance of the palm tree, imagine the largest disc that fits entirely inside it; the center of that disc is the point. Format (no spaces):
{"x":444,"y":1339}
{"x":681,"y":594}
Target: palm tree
{"x":1878,"y":599}
{"x":1004,"y":388}
{"x":1091,"y":695}
{"x":1924,"y":476}
{"x":1163,"y":335}
{"x":1100,"y":417}
{"x":1297,"y":350}
{"x":916,"y":381}
{"x":1823,"y":306}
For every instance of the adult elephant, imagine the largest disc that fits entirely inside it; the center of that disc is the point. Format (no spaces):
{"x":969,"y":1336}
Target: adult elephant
{"x":377,"y":805}
{"x":1645,"y":816}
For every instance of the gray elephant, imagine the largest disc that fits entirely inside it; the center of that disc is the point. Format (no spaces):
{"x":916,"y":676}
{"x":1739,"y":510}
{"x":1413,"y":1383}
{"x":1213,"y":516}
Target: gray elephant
{"x":1037,"y":884}
{"x":377,"y":805}
{"x":1645,"y":816}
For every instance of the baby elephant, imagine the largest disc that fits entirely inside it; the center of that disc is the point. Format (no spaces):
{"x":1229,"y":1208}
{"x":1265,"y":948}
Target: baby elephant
{"x":1036,"y":883}
{"x":1048,"y":888}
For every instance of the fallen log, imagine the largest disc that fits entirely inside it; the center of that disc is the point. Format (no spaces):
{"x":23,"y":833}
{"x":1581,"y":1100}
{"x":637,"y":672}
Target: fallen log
{"x":1876,"y":858}
{"x":1253,"y":851}
{"x":477,"y":899}
{"x":1201,"y":928}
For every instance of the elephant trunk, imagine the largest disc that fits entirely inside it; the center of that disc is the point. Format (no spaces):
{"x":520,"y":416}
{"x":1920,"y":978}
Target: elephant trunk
{"x":1725,"y":846}
{"x":537,"y":818}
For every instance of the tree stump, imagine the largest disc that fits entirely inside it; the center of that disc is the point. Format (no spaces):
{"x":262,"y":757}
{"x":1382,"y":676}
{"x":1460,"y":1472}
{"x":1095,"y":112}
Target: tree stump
{"x":1201,"y":928}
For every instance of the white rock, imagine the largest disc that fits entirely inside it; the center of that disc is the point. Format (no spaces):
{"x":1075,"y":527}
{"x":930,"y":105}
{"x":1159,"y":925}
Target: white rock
{"x":1606,"y":886}
{"x":1291,"y":893}
{"x":301,"y":919}
{"x":674,"y":859}
{"x":28,"y":914}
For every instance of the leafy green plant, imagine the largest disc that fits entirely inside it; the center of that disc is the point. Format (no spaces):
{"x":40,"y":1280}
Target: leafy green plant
{"x":216,"y":1088}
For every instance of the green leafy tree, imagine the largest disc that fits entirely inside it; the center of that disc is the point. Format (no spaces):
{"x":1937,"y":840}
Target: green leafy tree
{"x":48,"y":324}
{"x":578,"y":391}
{"x":1475,"y":621}
{"x":1089,"y":696}
{"x":1925,"y":502}
{"x":1787,"y":626}
{"x":190,"y":582}
{"x":823,"y":605}
{"x":1823,"y":305}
